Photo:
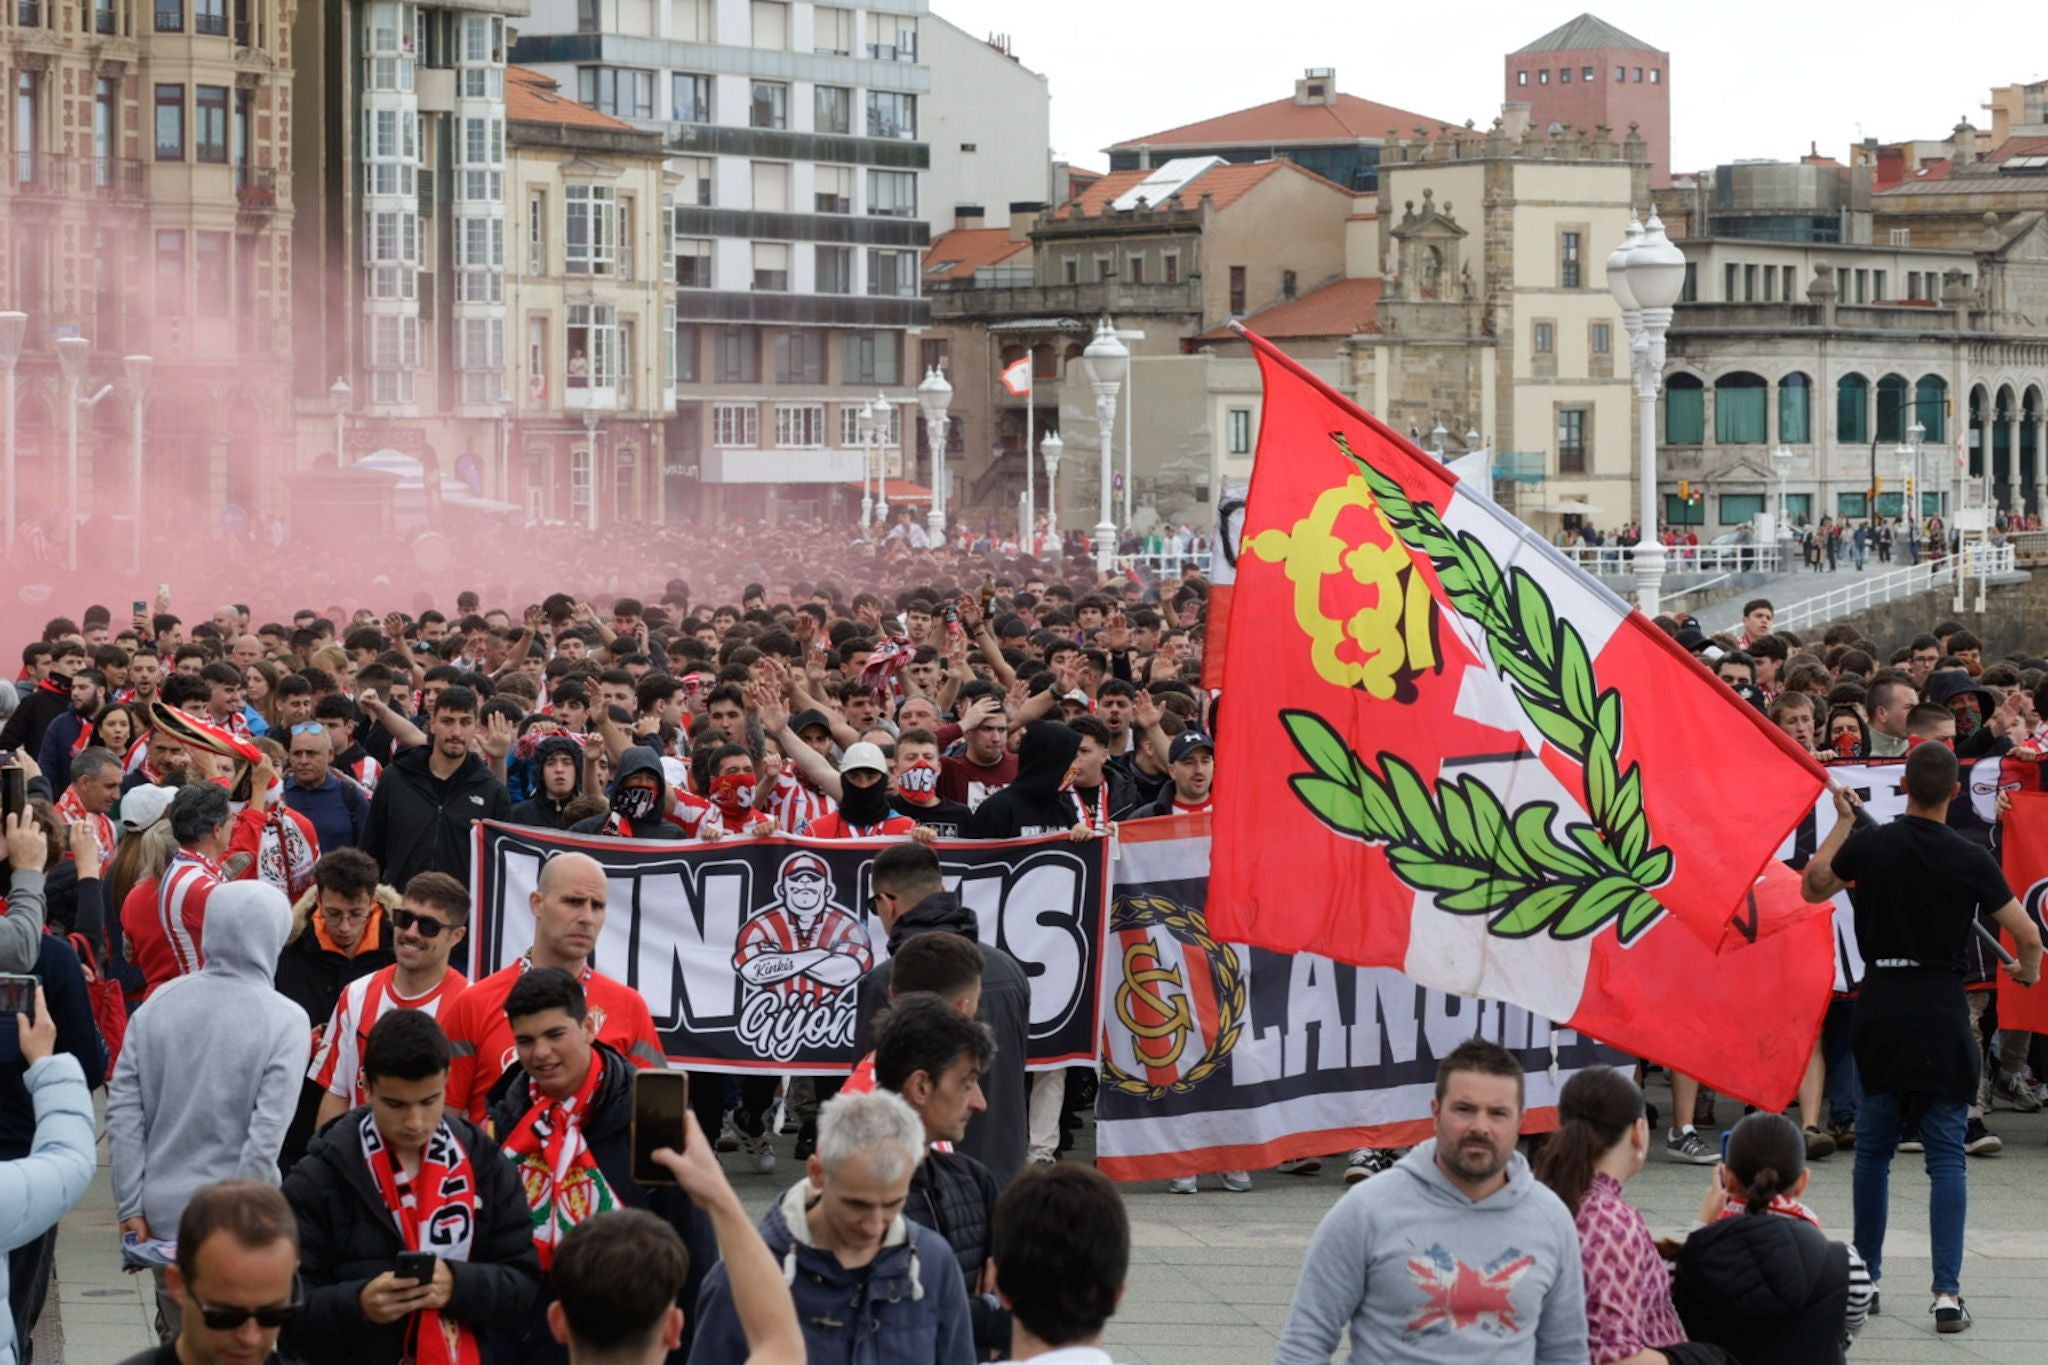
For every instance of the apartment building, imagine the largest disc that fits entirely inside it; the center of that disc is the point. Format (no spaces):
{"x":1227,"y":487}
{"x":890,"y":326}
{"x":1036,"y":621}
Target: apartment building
{"x":591,"y":295}
{"x":147,"y":208}
{"x":795,"y":132}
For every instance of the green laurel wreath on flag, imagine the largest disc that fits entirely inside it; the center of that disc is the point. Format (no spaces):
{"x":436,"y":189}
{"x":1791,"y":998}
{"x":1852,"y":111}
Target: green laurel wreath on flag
{"x":1458,"y":841}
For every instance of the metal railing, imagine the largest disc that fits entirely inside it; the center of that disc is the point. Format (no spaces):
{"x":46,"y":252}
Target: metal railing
{"x":1715,"y":559}
{"x":256,"y":187}
{"x":100,"y":177}
{"x":1878,"y":589}
{"x":1163,"y":562}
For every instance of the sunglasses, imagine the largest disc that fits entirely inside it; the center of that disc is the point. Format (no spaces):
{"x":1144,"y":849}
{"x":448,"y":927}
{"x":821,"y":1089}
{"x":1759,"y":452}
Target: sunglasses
{"x":228,"y":1319}
{"x":423,"y":925}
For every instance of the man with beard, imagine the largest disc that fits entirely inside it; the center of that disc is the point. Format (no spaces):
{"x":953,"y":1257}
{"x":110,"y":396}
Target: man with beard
{"x":428,"y":798}
{"x":73,"y":730}
{"x":1458,"y":1249}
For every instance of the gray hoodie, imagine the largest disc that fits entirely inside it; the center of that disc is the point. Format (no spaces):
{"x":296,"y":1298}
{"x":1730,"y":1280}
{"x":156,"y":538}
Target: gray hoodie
{"x":1422,"y":1275}
{"x":209,"y":1074}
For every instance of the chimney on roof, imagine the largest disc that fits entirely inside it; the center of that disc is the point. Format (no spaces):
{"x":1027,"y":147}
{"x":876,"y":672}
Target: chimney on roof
{"x":1514,"y":121}
{"x":967,"y":215}
{"x":1318,"y":85}
{"x":1965,"y":138}
{"x":1023,"y":213}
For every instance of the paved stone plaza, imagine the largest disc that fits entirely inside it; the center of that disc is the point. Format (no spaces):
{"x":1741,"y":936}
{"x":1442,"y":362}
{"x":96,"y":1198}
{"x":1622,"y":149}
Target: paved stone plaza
{"x":1212,"y":1273}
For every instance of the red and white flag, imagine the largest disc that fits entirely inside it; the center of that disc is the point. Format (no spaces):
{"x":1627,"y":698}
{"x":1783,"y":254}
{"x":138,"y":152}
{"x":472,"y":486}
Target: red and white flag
{"x":1449,"y":751}
{"x":1017,"y":376}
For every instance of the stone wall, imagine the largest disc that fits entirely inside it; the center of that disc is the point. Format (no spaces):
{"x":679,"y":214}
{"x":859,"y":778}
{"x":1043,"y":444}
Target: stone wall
{"x":2014,"y":621}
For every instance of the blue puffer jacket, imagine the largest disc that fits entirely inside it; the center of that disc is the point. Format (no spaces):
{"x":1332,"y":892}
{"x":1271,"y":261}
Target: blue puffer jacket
{"x":909,"y":1307}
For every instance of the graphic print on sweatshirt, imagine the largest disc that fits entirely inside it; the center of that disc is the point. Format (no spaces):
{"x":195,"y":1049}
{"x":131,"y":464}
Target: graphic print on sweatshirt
{"x":1456,"y":1295}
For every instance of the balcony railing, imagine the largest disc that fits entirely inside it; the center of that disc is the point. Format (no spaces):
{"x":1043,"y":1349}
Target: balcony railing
{"x":210,"y":25}
{"x":256,"y":187}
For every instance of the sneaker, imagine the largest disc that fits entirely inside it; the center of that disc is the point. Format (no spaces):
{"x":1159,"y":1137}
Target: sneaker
{"x":1181,"y":1184}
{"x":1368,"y":1162}
{"x":1819,"y":1145}
{"x":728,"y":1136}
{"x":1844,"y":1134}
{"x":1687,"y":1146}
{"x":1950,"y":1315}
{"x":806,"y":1142}
{"x":756,"y":1146}
{"x":1301,"y":1165}
{"x":1911,"y":1142}
{"x":1876,"y":1301}
{"x":1237,"y":1182}
{"x":1979,"y":1141}
{"x":2012,"y":1092}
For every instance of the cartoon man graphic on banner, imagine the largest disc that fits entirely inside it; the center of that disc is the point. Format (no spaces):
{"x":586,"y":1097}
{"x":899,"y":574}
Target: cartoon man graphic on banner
{"x":800,"y":958}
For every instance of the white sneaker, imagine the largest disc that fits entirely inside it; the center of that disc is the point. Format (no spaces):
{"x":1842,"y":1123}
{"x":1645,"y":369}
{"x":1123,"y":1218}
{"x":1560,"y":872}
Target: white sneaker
{"x":756,"y":1146}
{"x":1181,"y":1184}
{"x":1301,"y":1165}
{"x":1237,"y":1182}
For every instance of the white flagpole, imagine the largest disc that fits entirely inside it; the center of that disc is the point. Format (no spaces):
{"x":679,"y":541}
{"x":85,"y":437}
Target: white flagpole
{"x":1030,"y":435}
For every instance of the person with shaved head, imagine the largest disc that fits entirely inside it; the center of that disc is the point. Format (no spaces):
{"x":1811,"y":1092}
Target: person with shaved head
{"x":568,"y":905}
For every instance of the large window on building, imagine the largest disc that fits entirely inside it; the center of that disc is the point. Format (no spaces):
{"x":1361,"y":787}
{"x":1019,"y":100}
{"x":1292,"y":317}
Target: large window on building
{"x":871,"y":358}
{"x":832,"y":189}
{"x":170,"y":272}
{"x":768,"y":105}
{"x":1930,"y":407}
{"x":835,"y":270}
{"x":593,"y":343}
{"x":771,"y":25}
{"x":1852,"y":409}
{"x":737,"y":355}
{"x":771,"y":266}
{"x":832,"y":30}
{"x":690,"y":100}
{"x":1740,"y":509}
{"x":833,"y":109}
{"x":1685,"y":410}
{"x":1894,"y":408}
{"x":1238,"y":431}
{"x":693,"y":263}
{"x":618,"y":91}
{"x":590,"y":233}
{"x":696,"y":173}
{"x":771,"y":186}
{"x":210,"y":17}
{"x":892,"y":274}
{"x":892,"y":194}
{"x":1571,"y":440}
{"x":28,"y":120}
{"x":800,"y":426}
{"x":1739,"y":403}
{"x":800,"y":357}
{"x":170,"y":123}
{"x":892,"y":115}
{"x":210,"y":124}
{"x":1795,"y":409}
{"x":735,"y":424}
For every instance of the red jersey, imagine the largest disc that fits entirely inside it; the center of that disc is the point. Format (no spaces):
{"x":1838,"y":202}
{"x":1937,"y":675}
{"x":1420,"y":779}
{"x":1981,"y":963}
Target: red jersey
{"x":475,"y":1023}
{"x":694,"y":816}
{"x":797,"y":803}
{"x":337,"y":1062}
{"x":837,"y":826}
{"x":164,"y":918}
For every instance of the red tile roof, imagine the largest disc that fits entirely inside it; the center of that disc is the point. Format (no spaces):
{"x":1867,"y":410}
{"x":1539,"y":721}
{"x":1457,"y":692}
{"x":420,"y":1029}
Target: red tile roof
{"x":2018,"y":146}
{"x":1341,"y":309}
{"x":1225,"y":185}
{"x":1284,"y":122}
{"x":965,"y":250}
{"x":531,"y":97}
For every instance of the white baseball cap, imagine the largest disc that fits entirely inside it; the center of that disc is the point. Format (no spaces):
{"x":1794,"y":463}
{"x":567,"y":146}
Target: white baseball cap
{"x":144,"y":806}
{"x":864,"y":755}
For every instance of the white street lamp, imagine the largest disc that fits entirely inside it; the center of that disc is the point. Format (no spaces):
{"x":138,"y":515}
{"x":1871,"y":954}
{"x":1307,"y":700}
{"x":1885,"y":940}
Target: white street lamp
{"x":885,"y":417}
{"x":1050,"y":449}
{"x":1438,"y":434}
{"x":1472,"y":439}
{"x":934,"y":397}
{"x":13,"y":327}
{"x":864,"y":427}
{"x":338,"y":396}
{"x":1646,"y":274}
{"x":1781,"y":456}
{"x":138,"y":367}
{"x":71,"y":353}
{"x":591,"y":417}
{"x":1109,"y":361}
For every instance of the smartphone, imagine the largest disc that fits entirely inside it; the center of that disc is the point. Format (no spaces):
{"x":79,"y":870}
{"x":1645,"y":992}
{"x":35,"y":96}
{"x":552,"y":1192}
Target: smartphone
{"x":417,"y":1266}
{"x":660,"y":1099}
{"x":17,"y":995}
{"x":13,"y":789}
{"x":140,"y":606}
{"x":1725,"y":1135}
{"x":163,"y":597}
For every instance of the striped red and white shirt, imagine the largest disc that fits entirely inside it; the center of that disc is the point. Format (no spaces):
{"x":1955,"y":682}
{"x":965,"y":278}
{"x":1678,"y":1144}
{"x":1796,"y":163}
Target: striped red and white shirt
{"x":337,"y":1065}
{"x":776,"y":930}
{"x":366,"y":770}
{"x":797,"y":803}
{"x":163,"y":919}
{"x":71,"y":810}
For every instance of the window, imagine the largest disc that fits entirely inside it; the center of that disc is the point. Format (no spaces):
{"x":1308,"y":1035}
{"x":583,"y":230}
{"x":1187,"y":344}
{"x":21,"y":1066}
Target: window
{"x":1656,"y":76}
{"x":593,"y":346}
{"x":695,"y":190}
{"x":892,"y":115}
{"x":1543,"y":77}
{"x":1731,"y":282}
{"x":800,"y":359}
{"x":480,"y":345}
{"x":170,"y":123}
{"x":1620,"y":74}
{"x":693,"y":263}
{"x":480,"y":259}
{"x":833,"y":109}
{"x":771,"y":186}
{"x":771,"y":266}
{"x":1521,"y":78}
{"x":690,"y":21}
{"x":688,"y":341}
{"x":1238,"y":431}
{"x":170,"y":273}
{"x":1571,"y":440}
{"x":892,"y":37}
{"x":690,"y":98}
{"x":1564,"y":75}
{"x":1863,"y":286}
{"x":1103,"y":270}
{"x":537,"y":359}
{"x":1795,"y":410}
{"x":1601,"y":338}
{"x":1685,"y":410}
{"x":1852,"y":409}
{"x":1237,"y":287}
{"x":479,"y":152}
{"x":1170,"y":264}
{"x":1134,"y":267}
{"x":1893,"y":408}
{"x":1568,"y":260}
{"x":1639,"y":75}
{"x":1586,"y":75}
{"x":891,"y":434}
{"x":892,"y":194}
{"x":536,"y":233}
{"x":735,"y":424}
{"x":1852,"y":506}
{"x":1798,"y":508}
{"x":771,"y":24}
{"x":871,"y":358}
{"x":738,"y":355}
{"x":832,"y":31}
{"x":1877,"y":286}
{"x":832,"y":189}
{"x":892,"y":274}
{"x":1689,"y":292}
{"x":28,"y":107}
{"x":1289,"y":284}
{"x":1930,"y":407}
{"x":170,"y":16}
{"x":1070,"y":270}
{"x":1677,"y":513}
{"x":590,"y":238}
{"x":1770,"y":284}
{"x":769,"y":106}
{"x":835,"y":270}
{"x":1749,"y":284}
{"x":1545,"y":338}
{"x":1785,"y":281}
{"x":210,"y":17}
{"x":1739,"y":509}
{"x":800,"y":426}
{"x":617,"y":91}
{"x":1739,"y":409}
{"x":106,"y":114}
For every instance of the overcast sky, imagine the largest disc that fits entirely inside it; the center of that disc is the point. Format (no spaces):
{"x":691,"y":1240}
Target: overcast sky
{"x":1750,"y":78}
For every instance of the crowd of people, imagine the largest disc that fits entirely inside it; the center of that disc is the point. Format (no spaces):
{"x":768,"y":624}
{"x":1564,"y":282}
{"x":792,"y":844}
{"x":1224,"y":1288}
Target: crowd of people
{"x":248,"y":842}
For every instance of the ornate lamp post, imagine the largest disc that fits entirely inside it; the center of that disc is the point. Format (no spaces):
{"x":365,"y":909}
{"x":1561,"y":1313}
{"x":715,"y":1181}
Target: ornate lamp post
{"x":71,"y":353}
{"x":864,"y":427}
{"x":138,"y":367}
{"x":934,"y":397}
{"x":1050,"y":449}
{"x":1109,"y":361}
{"x":1646,"y":274}
{"x":885,"y":417}
{"x":338,"y":396}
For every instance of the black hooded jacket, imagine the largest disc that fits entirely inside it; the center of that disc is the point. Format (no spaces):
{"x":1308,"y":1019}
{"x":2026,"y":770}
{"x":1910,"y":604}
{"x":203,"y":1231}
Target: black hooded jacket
{"x":999,"y":1137}
{"x":40,"y":706}
{"x":955,"y":1196}
{"x":638,"y":759}
{"x":421,"y":823}
{"x":1944,"y":688}
{"x":1034,"y":803}
{"x":541,"y":809}
{"x":1770,"y":1289}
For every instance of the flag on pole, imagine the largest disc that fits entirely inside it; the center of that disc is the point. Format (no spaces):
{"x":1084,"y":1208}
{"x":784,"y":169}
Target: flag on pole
{"x":1451,"y":752}
{"x":1017,"y":376}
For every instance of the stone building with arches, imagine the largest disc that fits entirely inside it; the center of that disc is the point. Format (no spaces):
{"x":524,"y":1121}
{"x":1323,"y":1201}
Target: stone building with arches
{"x":1799,"y":370}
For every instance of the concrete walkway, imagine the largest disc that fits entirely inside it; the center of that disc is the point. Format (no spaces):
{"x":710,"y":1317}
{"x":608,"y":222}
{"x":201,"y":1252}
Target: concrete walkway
{"x":1725,"y":613}
{"x":1212,"y":1274}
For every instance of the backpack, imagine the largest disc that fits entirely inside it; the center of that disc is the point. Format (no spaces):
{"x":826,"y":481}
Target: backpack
{"x":109,"y":1004}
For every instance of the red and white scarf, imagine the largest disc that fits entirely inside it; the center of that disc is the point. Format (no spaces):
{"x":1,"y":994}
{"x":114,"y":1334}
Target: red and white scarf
{"x":435,"y":1211}
{"x":284,"y":855}
{"x":563,"y":1184}
{"x":71,"y":810}
{"x":1783,"y":1204}
{"x":1097,"y":819}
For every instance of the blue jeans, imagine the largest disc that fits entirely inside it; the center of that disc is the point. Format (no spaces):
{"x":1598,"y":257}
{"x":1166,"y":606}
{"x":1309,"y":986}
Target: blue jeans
{"x":1879,"y":1122}
{"x":1844,"y":1089}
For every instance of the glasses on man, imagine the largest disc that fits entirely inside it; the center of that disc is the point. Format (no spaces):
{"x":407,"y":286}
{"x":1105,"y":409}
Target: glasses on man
{"x":426,"y":926}
{"x":229,"y":1317}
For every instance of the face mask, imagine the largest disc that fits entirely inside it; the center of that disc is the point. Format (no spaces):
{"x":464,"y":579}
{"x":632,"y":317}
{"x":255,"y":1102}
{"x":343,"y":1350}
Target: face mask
{"x":733,"y":789}
{"x":920,"y":779}
{"x":635,"y":803}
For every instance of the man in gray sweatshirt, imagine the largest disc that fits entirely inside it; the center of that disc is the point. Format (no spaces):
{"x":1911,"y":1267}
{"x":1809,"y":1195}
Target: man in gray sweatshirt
{"x":208,"y":1078}
{"x":1457,"y":1253}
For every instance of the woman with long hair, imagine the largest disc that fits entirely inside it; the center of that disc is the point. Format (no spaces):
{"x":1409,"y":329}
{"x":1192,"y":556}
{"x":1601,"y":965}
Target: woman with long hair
{"x":1758,"y":1276}
{"x":259,"y":690}
{"x":1601,"y":1143}
{"x":116,"y":729}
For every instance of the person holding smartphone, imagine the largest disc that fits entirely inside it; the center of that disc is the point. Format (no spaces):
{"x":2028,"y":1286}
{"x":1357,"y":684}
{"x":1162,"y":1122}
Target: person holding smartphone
{"x":413,"y":1235}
